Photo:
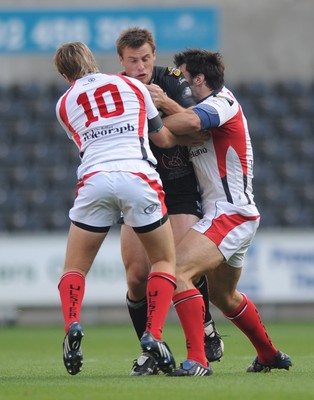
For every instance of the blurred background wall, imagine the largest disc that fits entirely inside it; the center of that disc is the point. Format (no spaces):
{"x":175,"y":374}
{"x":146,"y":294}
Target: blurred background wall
{"x":260,"y":39}
{"x":267,"y":48}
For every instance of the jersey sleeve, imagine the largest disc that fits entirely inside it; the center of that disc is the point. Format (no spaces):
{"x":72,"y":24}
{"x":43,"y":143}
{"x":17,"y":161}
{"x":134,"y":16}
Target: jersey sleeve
{"x":208,"y":115}
{"x":216,"y":111}
{"x":60,"y":120}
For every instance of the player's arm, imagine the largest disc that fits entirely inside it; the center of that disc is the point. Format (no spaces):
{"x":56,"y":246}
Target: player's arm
{"x":201,"y":117}
{"x":159,"y":134}
{"x":183,"y":122}
{"x":162,"y":101}
{"x":60,"y":113}
{"x":162,"y":137}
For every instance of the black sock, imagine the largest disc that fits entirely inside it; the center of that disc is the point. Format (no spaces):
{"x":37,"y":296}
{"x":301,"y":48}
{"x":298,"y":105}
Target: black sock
{"x":203,"y":288}
{"x":138,"y":314}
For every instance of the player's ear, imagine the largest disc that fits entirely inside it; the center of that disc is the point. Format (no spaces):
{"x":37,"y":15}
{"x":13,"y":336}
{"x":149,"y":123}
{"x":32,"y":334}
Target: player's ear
{"x":199,"y":79}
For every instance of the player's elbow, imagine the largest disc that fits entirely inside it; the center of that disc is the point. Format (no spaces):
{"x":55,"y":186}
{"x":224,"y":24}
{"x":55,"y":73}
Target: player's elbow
{"x":195,"y":123}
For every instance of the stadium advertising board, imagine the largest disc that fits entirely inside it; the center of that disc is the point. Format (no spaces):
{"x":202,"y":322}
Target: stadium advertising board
{"x":32,"y":266}
{"x":42,"y":31}
{"x":278,"y":269}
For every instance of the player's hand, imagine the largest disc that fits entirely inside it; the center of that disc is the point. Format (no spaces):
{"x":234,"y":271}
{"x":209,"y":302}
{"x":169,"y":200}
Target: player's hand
{"x":195,"y":139}
{"x":206,"y":134}
{"x":157,"y":94}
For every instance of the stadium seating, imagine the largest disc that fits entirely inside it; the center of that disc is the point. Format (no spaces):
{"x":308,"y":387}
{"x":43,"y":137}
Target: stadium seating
{"x":38,"y":162}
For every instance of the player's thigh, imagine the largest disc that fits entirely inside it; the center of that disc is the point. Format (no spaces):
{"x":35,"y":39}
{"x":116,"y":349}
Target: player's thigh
{"x":133,"y":253}
{"x":180,"y":224}
{"x":195,"y":255}
{"x":159,"y":244}
{"x":82,"y":248}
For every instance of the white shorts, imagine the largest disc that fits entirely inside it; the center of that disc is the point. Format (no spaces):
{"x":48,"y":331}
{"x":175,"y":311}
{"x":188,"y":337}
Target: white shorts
{"x":231,"y":228}
{"x":114,"y":188}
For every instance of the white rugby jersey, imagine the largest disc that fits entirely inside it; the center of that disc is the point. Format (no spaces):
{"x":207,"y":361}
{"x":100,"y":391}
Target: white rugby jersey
{"x":224,"y":164}
{"x":106,"y":116}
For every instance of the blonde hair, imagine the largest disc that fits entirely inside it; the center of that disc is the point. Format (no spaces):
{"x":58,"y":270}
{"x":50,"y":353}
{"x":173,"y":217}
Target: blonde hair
{"x":74,"y":60}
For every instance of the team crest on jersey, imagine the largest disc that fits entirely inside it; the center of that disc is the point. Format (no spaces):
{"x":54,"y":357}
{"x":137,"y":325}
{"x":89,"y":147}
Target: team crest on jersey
{"x":173,"y":71}
{"x":177,"y":159}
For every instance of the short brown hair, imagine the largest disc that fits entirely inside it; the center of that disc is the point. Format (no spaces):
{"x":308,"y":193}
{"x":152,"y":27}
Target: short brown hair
{"x":74,"y":60}
{"x":135,"y":38}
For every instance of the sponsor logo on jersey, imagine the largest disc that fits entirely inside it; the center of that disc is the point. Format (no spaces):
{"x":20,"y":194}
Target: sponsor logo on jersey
{"x":105,"y":131}
{"x":230,"y":101}
{"x":174,"y":71}
{"x":89,"y":81}
{"x":187,"y":92}
{"x":198,"y":152}
{"x":151,"y":209}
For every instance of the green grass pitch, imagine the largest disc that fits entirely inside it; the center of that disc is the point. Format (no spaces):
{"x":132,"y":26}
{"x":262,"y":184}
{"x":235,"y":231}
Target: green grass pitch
{"x":31,"y":366}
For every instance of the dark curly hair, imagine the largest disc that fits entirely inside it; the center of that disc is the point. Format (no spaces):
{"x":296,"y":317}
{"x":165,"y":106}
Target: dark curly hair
{"x":198,"y":61}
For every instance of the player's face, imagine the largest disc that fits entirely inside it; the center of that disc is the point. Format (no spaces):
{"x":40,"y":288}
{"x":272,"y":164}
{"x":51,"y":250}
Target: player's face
{"x":187,"y":76}
{"x":138,"y":63}
{"x":191,"y":81}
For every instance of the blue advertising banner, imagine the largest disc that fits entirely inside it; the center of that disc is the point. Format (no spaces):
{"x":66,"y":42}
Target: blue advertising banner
{"x":33,"y":31}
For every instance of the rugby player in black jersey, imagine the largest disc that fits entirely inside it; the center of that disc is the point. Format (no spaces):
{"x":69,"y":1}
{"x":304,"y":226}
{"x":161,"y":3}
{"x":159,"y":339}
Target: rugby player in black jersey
{"x":170,"y":92}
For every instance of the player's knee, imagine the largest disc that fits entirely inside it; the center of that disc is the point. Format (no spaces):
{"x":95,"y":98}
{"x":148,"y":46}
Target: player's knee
{"x":184,"y":279}
{"x":137,"y":282}
{"x":214,"y":298}
{"x":222,"y":300}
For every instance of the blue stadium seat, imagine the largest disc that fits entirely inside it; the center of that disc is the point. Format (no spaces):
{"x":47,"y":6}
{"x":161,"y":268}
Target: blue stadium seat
{"x":12,"y":155}
{"x":291,"y":88}
{"x":261,"y":127}
{"x":294,"y":127}
{"x":38,"y":162}
{"x":269,"y":215}
{"x":253,"y":89}
{"x":295,"y":173}
{"x":274,"y":106}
